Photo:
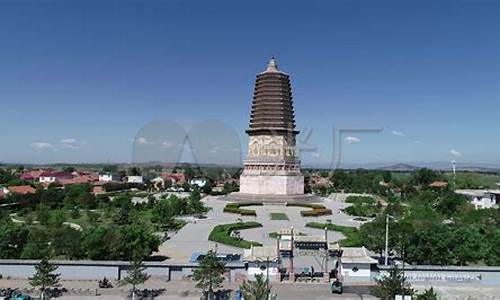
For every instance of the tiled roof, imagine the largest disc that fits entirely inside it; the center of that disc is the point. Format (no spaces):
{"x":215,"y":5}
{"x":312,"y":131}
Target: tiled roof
{"x":22,"y":189}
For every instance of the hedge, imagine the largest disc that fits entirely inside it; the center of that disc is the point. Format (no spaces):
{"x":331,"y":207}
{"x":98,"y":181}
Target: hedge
{"x":353,"y":238}
{"x":222,"y":234}
{"x":234,"y":207}
{"x":317,"y":209}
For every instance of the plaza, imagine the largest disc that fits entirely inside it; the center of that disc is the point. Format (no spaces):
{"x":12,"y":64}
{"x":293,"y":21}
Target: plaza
{"x":193,"y":237}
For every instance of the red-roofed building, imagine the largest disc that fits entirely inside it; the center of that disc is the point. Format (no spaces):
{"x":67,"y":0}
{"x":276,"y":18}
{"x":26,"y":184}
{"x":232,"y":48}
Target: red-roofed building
{"x":439,"y":184}
{"x":174,"y":178}
{"x":76,"y":180}
{"x":21,"y":189}
{"x":49,"y":177}
{"x":31,"y":175}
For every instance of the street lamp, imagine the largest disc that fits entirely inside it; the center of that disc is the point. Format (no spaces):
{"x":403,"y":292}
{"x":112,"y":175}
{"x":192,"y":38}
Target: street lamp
{"x":387,"y":216}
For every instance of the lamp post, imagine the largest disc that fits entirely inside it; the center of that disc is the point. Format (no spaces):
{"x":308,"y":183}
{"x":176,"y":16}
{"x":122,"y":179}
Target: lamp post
{"x":267,"y":276}
{"x":387,"y":216}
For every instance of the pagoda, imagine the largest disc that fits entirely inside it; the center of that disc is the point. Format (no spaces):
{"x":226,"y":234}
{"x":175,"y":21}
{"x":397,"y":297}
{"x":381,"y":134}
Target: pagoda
{"x":272,"y":166}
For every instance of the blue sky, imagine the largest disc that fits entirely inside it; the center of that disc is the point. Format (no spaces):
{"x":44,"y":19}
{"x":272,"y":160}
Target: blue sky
{"x":78,"y":80}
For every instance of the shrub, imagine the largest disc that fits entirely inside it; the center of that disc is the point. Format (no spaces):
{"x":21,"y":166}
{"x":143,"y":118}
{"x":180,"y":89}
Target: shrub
{"x":234,"y":207}
{"x":317,"y":209}
{"x":222,"y":234}
{"x":316,"y":212}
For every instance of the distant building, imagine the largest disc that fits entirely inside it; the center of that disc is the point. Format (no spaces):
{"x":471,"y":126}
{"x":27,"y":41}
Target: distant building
{"x":439,"y":184}
{"x":135,"y":179}
{"x":108,"y":177}
{"x":174,"y":178}
{"x":50,"y":177}
{"x":200,"y":182}
{"x":19,"y":189}
{"x":31,"y":175}
{"x":481,"y":198}
{"x":76,"y":180}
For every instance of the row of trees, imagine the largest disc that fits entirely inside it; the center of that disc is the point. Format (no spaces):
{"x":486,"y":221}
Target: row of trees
{"x":437,"y":227}
{"x":101,"y":242}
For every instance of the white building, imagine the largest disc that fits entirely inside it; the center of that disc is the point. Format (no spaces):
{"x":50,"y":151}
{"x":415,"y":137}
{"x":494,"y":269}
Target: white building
{"x":135,"y":179}
{"x":481,"y":198}
{"x":356,"y":264}
{"x":262,"y":260}
{"x":108,"y":177}
{"x":200,"y":182}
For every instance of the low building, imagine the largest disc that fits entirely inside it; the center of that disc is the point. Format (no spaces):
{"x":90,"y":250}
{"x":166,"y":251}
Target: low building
{"x":108,"y":177}
{"x":50,"y":177}
{"x":481,"y":198}
{"x":135,"y":179}
{"x":438,"y":184}
{"x":32,"y":175}
{"x":18,"y":189}
{"x":262,"y":260}
{"x":200,"y":182}
{"x":174,"y":178}
{"x":356,"y":264}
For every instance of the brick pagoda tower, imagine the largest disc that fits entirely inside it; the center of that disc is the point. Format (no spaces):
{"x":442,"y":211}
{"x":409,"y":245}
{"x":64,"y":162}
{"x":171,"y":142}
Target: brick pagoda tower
{"x":272,"y":166}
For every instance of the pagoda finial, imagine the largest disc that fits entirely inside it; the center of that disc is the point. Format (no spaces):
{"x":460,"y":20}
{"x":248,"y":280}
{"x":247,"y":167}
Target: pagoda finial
{"x":272,"y":66}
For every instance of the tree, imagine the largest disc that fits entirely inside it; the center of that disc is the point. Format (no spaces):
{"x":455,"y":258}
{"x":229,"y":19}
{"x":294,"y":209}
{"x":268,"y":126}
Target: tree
{"x":135,"y":274}
{"x":195,"y":204}
{"x":101,"y":242}
{"x":469,"y":245}
{"x":424,"y":177}
{"x":44,"y":276}
{"x":428,"y":294}
{"x":162,"y":213}
{"x":67,"y":242}
{"x":38,"y":244}
{"x":209,"y":274}
{"x":137,"y":239}
{"x":256,"y":290}
{"x":13,"y":237}
{"x":492,"y":258}
{"x":391,"y":284}
{"x":430,"y":246}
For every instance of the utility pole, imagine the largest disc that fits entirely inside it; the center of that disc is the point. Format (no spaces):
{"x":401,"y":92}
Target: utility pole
{"x":454,"y":164}
{"x":291,"y":272}
{"x":386,"y":238}
{"x":267,"y":276}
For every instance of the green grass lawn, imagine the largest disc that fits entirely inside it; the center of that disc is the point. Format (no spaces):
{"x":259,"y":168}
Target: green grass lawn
{"x":353,"y":239}
{"x":279,"y":217}
{"x":222,"y":234}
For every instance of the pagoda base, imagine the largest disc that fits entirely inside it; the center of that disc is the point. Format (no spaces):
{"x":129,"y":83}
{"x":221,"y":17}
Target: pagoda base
{"x":273,"y":199}
{"x":272,"y":184}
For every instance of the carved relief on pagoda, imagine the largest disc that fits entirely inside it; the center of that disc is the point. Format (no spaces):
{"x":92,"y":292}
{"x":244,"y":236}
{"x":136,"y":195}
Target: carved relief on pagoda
{"x":271,"y":146}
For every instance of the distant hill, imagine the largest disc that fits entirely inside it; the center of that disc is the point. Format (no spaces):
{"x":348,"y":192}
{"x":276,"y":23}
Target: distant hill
{"x":399,"y":167}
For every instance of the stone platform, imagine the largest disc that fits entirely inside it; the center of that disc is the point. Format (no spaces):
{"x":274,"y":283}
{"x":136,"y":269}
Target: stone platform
{"x":278,"y":199}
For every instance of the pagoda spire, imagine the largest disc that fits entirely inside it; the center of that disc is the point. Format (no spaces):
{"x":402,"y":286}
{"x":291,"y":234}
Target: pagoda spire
{"x":272,"y":66}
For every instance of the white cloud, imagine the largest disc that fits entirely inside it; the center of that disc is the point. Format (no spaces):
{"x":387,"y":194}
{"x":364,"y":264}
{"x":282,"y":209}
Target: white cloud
{"x":455,"y":153}
{"x":417,"y":142}
{"x":69,"y":143}
{"x":42,"y":145}
{"x":352,"y":140}
{"x":397,"y":133}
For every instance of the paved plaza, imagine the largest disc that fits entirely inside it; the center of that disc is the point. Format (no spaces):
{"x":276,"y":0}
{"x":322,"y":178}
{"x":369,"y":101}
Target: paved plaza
{"x":194,"y":236}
